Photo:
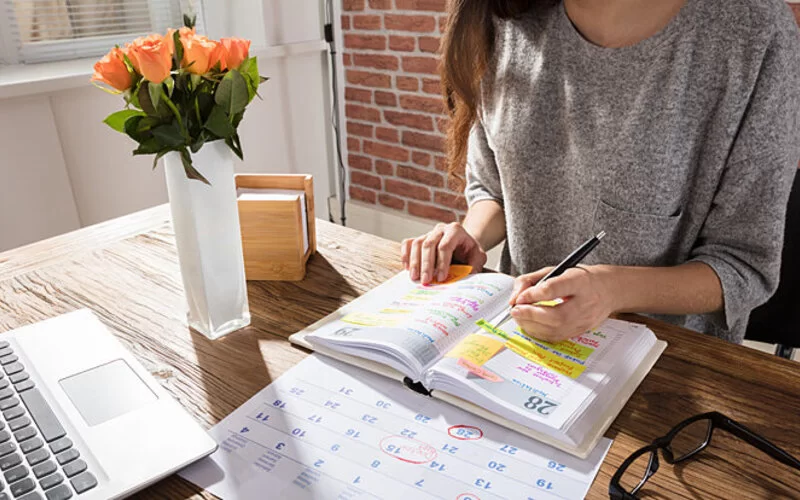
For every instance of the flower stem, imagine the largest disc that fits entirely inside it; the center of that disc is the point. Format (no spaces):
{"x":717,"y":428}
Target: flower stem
{"x":171,"y":106}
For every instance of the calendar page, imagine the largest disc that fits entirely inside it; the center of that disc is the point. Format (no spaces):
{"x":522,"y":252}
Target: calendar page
{"x":330,"y":430}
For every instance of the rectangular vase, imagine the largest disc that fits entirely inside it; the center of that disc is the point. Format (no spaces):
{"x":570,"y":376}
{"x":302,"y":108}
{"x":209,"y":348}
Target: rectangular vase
{"x":206,"y":222}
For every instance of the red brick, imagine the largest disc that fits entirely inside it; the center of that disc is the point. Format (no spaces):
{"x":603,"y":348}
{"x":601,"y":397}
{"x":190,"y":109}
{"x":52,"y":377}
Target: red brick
{"x":345,"y":23}
{"x":442,"y":124}
{"x":365,"y":179}
{"x":429,"y":44}
{"x":419,"y":140}
{"x":456,"y":184}
{"x":353,"y":144}
{"x":387,"y":134}
{"x":347,"y":60}
{"x":454,"y":201}
{"x":443,"y":24}
{"x":423,"y":159}
{"x":376,"y":61}
{"x":431,"y":86}
{"x":380,"y":4}
{"x":383,"y":167}
{"x":426,"y":177}
{"x":361,"y":95}
{"x":430,"y":212}
{"x":431,"y":5}
{"x":440,"y":162}
{"x":353,"y":5}
{"x":368,"y":79}
{"x":419,"y":103}
{"x":400,"y":22}
{"x":361,"y":194}
{"x":385,"y":151}
{"x":390,"y":201}
{"x":385,"y":98}
{"x":414,"y":64}
{"x":362,"y":113}
{"x":402,"y":43}
{"x":368,"y":42}
{"x":796,"y":9}
{"x":403,"y":188}
{"x":360,"y":162}
{"x":360,"y":129}
{"x":408,"y":83}
{"x":412,"y":120}
{"x":367,"y":22}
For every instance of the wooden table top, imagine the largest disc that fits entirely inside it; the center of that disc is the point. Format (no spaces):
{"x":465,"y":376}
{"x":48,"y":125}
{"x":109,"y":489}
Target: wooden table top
{"x":126,"y":271}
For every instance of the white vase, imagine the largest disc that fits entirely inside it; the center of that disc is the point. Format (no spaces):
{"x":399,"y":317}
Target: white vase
{"x":206,"y":222}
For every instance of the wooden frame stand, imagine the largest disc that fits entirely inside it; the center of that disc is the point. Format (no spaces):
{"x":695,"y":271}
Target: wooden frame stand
{"x":273,"y":238}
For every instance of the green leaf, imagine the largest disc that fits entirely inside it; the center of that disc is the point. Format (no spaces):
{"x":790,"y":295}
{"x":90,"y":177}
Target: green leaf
{"x":147,"y":104}
{"x":235,"y":145}
{"x":219,"y":124}
{"x":249,"y":70}
{"x":158,"y":157}
{"x":177,"y":55}
{"x":156,"y":90}
{"x":117,"y":120}
{"x":189,"y":21}
{"x":131,"y":128}
{"x":169,"y":135}
{"x":191,"y":172}
{"x":148,"y":147}
{"x":170,"y":83}
{"x":232,"y":93}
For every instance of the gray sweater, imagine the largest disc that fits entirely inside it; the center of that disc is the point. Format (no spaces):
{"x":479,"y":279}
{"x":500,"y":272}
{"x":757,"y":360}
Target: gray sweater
{"x":682,"y":147}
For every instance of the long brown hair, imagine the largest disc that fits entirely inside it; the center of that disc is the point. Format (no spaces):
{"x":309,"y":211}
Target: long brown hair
{"x":467,"y":47}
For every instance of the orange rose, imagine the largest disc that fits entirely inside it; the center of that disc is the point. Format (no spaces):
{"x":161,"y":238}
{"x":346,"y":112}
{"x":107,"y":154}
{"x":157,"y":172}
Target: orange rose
{"x":220,"y":55}
{"x":111,"y":70}
{"x":197,"y":53}
{"x":151,"y":57}
{"x":184,"y":31}
{"x":236,"y":51}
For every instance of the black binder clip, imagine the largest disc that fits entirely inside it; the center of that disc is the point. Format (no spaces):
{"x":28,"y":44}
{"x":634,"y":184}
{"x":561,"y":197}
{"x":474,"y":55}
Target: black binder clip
{"x":416,"y":387}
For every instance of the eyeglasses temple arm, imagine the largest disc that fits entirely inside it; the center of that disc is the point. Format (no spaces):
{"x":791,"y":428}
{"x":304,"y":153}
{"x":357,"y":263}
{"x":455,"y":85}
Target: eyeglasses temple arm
{"x":759,"y":442}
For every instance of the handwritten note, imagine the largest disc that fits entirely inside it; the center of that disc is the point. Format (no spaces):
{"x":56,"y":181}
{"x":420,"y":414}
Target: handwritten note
{"x":329,"y":430}
{"x":532,"y":352}
{"x":371,"y":319}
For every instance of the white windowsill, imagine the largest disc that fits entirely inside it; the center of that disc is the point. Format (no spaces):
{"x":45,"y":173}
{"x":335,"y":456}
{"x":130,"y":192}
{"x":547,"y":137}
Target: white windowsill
{"x":27,"y":79}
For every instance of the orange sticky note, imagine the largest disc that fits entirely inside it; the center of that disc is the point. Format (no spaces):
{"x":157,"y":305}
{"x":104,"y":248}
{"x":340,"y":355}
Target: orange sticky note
{"x":455,"y":273}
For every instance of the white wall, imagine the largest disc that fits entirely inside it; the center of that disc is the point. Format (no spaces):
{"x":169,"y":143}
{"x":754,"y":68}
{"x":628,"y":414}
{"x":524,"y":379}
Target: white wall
{"x":61,"y":168}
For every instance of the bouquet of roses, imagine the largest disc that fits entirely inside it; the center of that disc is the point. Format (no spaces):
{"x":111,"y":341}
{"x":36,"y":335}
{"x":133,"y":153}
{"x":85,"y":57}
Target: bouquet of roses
{"x":181,"y":91}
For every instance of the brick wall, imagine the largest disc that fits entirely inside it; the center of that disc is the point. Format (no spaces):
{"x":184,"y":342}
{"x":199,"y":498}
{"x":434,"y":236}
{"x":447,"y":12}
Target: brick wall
{"x":394,"y":115}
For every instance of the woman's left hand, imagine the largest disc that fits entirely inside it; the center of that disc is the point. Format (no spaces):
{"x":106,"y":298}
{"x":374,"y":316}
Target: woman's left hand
{"x":585,"y":290}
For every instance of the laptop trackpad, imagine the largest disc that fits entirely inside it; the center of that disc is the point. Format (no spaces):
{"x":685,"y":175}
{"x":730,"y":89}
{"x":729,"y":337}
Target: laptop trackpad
{"x":107,"y":391}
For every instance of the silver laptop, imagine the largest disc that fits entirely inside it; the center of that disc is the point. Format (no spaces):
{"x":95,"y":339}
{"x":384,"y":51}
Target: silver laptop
{"x":81,"y":418}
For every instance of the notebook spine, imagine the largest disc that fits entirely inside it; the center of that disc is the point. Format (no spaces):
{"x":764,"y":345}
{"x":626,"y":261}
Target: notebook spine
{"x":416,"y":387}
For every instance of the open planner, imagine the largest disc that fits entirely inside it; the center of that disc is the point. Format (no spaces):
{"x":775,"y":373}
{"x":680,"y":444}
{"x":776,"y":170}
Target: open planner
{"x":439,"y":340}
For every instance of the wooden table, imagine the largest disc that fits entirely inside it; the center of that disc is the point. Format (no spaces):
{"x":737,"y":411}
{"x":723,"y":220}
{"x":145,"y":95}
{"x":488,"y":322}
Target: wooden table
{"x":126,"y":270}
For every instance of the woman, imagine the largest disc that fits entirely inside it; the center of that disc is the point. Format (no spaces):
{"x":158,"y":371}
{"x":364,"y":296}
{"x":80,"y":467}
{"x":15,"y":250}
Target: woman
{"x":670,"y":124}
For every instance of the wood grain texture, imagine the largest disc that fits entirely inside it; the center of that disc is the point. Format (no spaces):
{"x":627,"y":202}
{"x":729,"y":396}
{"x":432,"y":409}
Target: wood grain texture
{"x":127,"y":272}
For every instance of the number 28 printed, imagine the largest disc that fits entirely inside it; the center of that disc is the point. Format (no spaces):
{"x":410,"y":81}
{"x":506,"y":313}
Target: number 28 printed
{"x":539,"y":405}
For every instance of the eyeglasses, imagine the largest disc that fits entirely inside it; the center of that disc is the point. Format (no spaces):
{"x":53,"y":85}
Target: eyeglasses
{"x":684,"y":441}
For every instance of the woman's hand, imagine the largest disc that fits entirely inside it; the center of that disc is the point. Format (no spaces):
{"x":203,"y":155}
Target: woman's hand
{"x":588,"y":302}
{"x":428,"y":257}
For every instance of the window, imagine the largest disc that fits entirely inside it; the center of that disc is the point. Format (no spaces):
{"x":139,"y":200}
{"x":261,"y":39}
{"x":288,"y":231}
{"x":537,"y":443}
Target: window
{"x":49,"y":30}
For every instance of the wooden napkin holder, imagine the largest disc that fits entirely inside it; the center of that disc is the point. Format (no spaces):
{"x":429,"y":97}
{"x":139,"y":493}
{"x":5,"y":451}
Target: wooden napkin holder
{"x":272,"y":229}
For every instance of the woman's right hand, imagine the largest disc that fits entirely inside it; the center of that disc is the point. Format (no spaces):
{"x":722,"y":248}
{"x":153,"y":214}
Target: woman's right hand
{"x":427,"y":258}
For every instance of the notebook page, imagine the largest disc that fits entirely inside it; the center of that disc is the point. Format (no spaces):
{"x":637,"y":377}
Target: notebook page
{"x":419,"y":322}
{"x":527,"y":380}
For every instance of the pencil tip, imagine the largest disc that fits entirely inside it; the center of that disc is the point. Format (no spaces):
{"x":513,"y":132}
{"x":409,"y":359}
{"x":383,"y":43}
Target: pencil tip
{"x":601,"y":235}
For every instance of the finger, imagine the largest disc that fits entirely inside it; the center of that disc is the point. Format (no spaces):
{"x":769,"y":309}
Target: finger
{"x":428,"y":258}
{"x":566,"y":285}
{"x":444,"y":253}
{"x":405,"y":252}
{"x":526,"y":281}
{"x":414,"y":258}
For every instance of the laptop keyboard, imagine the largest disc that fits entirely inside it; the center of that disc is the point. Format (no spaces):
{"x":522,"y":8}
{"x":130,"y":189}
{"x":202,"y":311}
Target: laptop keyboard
{"x":34,"y":447}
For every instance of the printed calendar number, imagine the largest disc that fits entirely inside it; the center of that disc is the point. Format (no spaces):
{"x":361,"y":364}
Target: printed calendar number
{"x":553,"y":465}
{"x":540,"y":405}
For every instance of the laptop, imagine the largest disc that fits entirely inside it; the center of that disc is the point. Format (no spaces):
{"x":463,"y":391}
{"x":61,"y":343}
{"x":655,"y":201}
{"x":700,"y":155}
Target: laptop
{"x":81,"y":418}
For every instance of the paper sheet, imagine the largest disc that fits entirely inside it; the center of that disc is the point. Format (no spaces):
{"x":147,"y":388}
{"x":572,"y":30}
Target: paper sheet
{"x":329,"y":430}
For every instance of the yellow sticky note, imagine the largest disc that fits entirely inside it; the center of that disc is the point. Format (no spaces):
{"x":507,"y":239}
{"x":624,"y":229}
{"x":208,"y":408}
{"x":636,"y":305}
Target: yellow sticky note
{"x":569,"y":348}
{"x":549,"y":303}
{"x":371,"y":319}
{"x":477,"y":349}
{"x":455,"y":273}
{"x":541,"y":356}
